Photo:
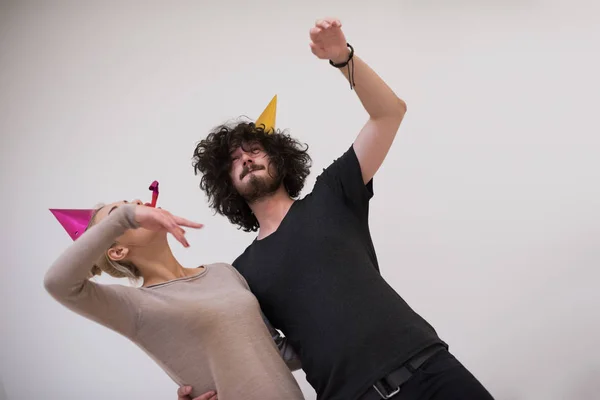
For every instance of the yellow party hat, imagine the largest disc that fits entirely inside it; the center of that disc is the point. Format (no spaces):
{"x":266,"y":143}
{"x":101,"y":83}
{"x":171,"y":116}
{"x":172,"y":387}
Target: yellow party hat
{"x":268,"y":116}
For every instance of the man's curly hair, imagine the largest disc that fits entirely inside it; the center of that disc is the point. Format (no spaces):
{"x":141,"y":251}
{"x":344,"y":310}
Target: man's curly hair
{"x":212,"y":159}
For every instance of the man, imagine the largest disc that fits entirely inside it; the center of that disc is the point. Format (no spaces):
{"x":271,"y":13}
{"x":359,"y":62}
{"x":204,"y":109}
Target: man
{"x":313,"y":266}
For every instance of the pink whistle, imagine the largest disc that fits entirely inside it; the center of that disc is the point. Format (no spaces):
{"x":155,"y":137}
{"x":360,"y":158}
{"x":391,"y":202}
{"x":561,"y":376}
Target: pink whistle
{"x":154,"y":188}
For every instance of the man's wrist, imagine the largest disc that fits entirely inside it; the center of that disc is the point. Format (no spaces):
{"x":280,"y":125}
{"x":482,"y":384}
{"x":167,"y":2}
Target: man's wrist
{"x":342,"y":57}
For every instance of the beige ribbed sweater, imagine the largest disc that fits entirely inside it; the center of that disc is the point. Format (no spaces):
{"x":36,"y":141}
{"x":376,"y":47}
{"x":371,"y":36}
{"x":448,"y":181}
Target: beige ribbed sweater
{"x":206,"y":331}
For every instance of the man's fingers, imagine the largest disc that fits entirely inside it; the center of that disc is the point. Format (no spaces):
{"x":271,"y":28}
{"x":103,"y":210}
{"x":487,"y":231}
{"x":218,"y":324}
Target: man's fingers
{"x":328,"y":22}
{"x":207,"y":396}
{"x":314,"y":32}
{"x":183,"y":391}
{"x":316,"y":50}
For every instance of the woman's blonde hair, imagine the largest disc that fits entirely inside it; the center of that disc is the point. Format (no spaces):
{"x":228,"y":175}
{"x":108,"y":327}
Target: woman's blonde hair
{"x":120,"y":269}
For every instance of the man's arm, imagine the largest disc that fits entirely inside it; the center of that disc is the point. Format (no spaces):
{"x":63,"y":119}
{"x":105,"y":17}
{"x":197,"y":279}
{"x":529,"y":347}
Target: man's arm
{"x":385,"y":109}
{"x":287,"y":352}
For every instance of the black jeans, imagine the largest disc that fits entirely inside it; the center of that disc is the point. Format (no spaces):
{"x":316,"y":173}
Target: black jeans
{"x":442,"y":377}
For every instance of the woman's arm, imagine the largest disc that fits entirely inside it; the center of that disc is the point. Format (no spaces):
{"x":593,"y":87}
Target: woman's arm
{"x":67,"y":280}
{"x":288,"y":354}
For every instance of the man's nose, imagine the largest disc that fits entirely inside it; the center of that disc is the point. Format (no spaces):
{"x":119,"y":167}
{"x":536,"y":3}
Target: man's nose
{"x":247,"y":161}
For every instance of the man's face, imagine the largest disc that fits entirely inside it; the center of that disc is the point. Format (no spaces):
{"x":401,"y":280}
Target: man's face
{"x":252,"y":173}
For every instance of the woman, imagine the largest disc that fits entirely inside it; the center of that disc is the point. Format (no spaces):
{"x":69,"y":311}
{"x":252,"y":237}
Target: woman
{"x":202,"y":325}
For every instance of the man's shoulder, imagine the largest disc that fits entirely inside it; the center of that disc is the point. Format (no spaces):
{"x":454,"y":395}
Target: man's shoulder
{"x":243,"y":258}
{"x":239,"y":260}
{"x":344,"y":164}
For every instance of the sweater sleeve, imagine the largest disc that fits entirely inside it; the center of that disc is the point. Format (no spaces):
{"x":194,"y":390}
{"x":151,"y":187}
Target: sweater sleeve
{"x":114,"y":306}
{"x":287,"y":352}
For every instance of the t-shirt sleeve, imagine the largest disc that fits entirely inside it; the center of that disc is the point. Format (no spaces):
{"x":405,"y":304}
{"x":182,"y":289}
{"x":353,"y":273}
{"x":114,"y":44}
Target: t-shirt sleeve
{"x":344,"y":178}
{"x":114,"y":306}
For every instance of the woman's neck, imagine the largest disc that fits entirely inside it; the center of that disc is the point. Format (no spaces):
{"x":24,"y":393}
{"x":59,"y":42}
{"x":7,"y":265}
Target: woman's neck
{"x":157,"y":264}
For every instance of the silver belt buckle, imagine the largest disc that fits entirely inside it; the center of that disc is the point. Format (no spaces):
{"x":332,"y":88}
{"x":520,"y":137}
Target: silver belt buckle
{"x":386,"y":395}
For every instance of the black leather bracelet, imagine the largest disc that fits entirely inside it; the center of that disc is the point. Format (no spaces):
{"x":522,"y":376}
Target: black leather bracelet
{"x":343,"y":64}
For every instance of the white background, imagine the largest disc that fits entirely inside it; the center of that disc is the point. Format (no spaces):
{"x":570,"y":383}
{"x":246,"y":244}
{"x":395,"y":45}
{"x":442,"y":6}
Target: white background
{"x":486,"y":213}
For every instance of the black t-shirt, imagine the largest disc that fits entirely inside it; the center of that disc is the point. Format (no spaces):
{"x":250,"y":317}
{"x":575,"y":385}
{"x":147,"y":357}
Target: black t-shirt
{"x":317,"y":280}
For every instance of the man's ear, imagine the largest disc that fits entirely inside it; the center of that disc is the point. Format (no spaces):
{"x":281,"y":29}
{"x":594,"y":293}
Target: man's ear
{"x":117,"y":252}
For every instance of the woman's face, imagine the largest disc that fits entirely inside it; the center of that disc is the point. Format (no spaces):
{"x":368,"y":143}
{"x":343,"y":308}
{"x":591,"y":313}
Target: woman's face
{"x":132,"y":238}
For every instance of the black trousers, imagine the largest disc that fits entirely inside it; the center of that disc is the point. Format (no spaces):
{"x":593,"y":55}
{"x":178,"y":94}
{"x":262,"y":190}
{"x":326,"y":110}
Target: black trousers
{"x":442,"y":377}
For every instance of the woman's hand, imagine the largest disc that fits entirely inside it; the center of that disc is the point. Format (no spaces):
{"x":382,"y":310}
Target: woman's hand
{"x":157,"y":219}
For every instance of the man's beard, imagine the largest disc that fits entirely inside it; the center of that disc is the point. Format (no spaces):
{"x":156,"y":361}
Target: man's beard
{"x":259,"y":187}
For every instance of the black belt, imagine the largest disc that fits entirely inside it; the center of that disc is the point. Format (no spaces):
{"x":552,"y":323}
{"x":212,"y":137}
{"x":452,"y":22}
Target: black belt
{"x":389,"y":386}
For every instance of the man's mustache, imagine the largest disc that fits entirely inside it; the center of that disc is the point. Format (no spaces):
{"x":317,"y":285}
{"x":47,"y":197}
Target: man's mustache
{"x":247,"y":170}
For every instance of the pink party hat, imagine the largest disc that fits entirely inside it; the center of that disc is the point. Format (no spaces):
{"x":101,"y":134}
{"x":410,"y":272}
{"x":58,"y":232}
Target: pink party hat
{"x":75,"y":221}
